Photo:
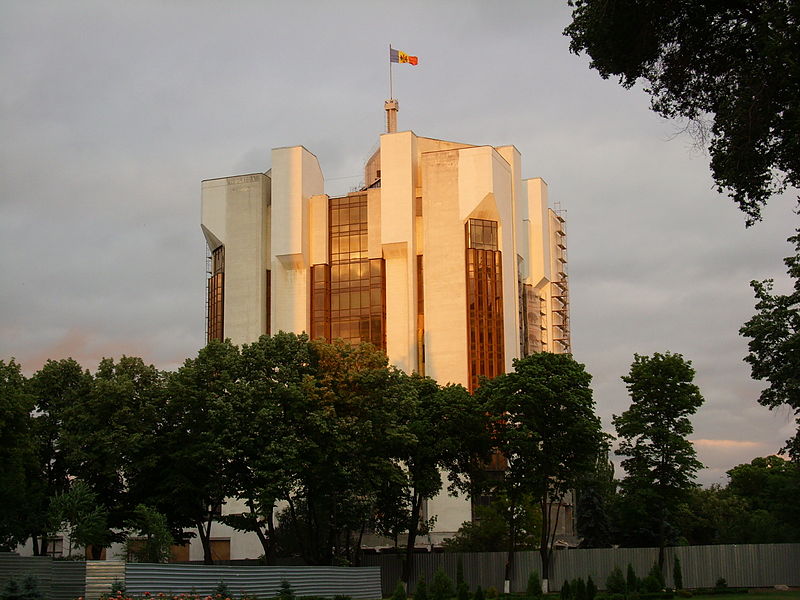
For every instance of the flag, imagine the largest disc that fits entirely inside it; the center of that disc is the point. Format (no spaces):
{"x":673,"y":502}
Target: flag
{"x":396,"y":56}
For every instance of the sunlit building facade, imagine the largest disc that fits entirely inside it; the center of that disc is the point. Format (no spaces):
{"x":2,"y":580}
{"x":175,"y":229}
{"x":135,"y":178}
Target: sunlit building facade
{"x":445,"y":258}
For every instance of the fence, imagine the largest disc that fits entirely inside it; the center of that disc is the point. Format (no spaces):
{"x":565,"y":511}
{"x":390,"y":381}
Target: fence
{"x":58,"y":580}
{"x":749,"y":565}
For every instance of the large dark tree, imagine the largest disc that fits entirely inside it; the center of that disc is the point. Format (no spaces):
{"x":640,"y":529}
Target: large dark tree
{"x":55,"y":389}
{"x":548,"y":433}
{"x":660,"y":462}
{"x":729,"y":69}
{"x":16,"y":456}
{"x":774,"y":345}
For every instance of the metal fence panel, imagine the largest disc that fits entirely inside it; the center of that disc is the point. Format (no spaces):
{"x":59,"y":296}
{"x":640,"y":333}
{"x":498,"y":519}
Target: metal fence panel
{"x":264,"y":582}
{"x":747,"y":565}
{"x":69,"y":580}
{"x":12,"y":565}
{"x":101,"y":575}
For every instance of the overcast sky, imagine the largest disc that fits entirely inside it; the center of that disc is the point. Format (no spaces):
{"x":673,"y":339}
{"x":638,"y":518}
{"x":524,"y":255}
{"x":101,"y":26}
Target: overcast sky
{"x":112,"y":112}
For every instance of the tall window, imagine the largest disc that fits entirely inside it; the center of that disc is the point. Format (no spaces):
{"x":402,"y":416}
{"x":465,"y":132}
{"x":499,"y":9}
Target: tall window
{"x":484,"y":301}
{"x":216,"y":295}
{"x":348,"y":296}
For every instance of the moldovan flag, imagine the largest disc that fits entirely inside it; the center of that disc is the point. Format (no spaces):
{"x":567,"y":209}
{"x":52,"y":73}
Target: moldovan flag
{"x":397,"y":56}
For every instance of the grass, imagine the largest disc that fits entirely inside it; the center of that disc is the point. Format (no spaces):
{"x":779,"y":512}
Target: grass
{"x":759,"y":595}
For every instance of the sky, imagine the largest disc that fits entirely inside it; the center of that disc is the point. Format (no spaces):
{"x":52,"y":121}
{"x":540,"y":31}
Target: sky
{"x":112,"y":113}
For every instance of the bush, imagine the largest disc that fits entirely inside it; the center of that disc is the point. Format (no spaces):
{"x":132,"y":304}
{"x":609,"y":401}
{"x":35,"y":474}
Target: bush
{"x":222,"y":590}
{"x":631,"y":581}
{"x":442,"y":586}
{"x":341,"y":597}
{"x":462,"y":591}
{"x":591,"y":589}
{"x":478,"y":594}
{"x":677,"y":574}
{"x":683,"y":593}
{"x":566,"y":592}
{"x":491,"y":592}
{"x":459,"y":572}
{"x":534,"y":589}
{"x":578,"y":589}
{"x":615,"y":584}
{"x":399,"y":592}
{"x":654,"y":582}
{"x":285,"y":592}
{"x":721,"y":583}
{"x":421,"y":591}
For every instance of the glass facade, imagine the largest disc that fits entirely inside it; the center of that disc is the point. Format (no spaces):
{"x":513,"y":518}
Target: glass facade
{"x":348,"y":295}
{"x":216,"y":296}
{"x":484,"y":301}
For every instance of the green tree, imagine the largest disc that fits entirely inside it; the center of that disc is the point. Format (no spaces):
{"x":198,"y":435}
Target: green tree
{"x":16,"y":457}
{"x":660,"y":461}
{"x":448,"y":430}
{"x":149,"y":539}
{"x":187,"y":477}
{"x":534,"y":589}
{"x":548,"y":433}
{"x":677,"y":574}
{"x":104,"y":433}
{"x":594,"y":494}
{"x":79,"y":513}
{"x":774,"y":345}
{"x":770,"y":487}
{"x":271,"y":399}
{"x":708,"y":63}
{"x":55,"y":389}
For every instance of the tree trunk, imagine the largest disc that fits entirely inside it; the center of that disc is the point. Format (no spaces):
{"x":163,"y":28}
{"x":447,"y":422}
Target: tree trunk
{"x":204,"y":530}
{"x":512,"y":542}
{"x":413,"y":527}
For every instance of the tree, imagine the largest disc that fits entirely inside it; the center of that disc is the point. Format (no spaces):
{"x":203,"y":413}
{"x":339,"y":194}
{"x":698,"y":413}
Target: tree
{"x":149,"y":539}
{"x":263,"y":441}
{"x":660,"y":462}
{"x":16,"y":456}
{"x":774,"y":345}
{"x":770,"y":486}
{"x":448,"y":432}
{"x":79,"y":513}
{"x":104,"y":435}
{"x":594,"y":494}
{"x":187,"y":477}
{"x":728,"y":68}
{"x":55,"y":389}
{"x":548,"y":433}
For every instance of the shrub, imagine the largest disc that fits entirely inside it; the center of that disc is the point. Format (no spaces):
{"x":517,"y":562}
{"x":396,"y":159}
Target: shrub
{"x":677,"y":574}
{"x":631,"y":581}
{"x":222,"y":591}
{"x":478,"y":594}
{"x":491,"y":592}
{"x":459,"y":572}
{"x":462,"y":591}
{"x":341,"y":597}
{"x":421,"y":591}
{"x":591,"y":589}
{"x":442,"y":586}
{"x":683,"y":593}
{"x":655,"y":571}
{"x":399,"y":592}
{"x":534,"y":589}
{"x":11,"y":591}
{"x":721,"y":583}
{"x":615,"y":584}
{"x":566,"y":592}
{"x":579,"y":589}
{"x":285,"y":592}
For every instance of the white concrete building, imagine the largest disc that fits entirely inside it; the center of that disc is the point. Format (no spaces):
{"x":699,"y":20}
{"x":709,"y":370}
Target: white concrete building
{"x":447,"y":259}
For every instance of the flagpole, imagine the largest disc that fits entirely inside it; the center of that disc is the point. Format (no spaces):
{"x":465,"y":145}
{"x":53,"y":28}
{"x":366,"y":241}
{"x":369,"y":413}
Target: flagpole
{"x":391,"y":94}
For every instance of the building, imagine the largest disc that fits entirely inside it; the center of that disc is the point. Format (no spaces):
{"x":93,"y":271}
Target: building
{"x":446,"y":258}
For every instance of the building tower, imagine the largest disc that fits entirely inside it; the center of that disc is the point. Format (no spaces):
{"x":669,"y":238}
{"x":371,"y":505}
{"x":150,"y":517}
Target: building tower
{"x":446,"y":258}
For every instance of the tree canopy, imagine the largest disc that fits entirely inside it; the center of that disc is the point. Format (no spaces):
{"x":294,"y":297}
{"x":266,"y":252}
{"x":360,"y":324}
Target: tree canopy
{"x":729,"y":69}
{"x":660,"y":462}
{"x":548,"y":433}
{"x":774,"y":345}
